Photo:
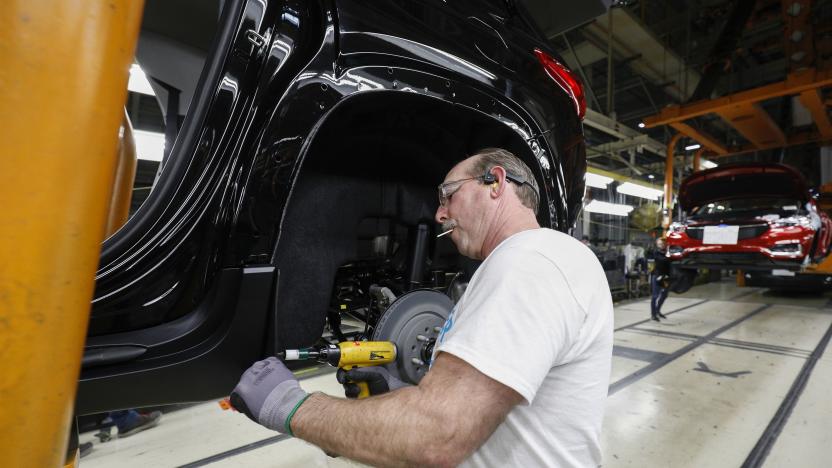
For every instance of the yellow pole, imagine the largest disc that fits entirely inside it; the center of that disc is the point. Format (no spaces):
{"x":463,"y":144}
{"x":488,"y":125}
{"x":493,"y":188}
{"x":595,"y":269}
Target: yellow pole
{"x":697,"y":157}
{"x":668,"y":179}
{"x":63,"y":84}
{"x":119,"y":209}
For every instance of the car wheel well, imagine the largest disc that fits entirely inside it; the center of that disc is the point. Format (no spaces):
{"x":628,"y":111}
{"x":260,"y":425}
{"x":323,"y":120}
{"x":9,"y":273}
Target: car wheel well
{"x":370,"y":173}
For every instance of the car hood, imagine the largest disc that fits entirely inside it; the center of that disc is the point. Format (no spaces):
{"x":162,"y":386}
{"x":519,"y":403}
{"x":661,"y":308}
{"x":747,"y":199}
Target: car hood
{"x":733,"y":181}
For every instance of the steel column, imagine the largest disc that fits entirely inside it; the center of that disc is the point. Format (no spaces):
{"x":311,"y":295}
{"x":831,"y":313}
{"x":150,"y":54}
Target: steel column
{"x":668,"y":180}
{"x":63,"y":69}
{"x":697,"y":157}
{"x":812,"y":100}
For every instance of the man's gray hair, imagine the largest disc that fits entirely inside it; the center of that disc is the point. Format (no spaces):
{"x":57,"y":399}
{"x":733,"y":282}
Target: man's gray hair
{"x":488,"y":158}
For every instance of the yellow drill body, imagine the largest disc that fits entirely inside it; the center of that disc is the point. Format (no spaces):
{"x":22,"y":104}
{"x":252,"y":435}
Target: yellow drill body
{"x":348,"y":355}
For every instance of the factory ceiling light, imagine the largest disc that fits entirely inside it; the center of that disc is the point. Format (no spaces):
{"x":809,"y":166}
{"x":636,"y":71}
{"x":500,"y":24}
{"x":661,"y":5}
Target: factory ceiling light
{"x":705,"y":164}
{"x":692,"y":147}
{"x":150,"y":146}
{"x":138,"y":82}
{"x":597,"y":180}
{"x":641,"y":191}
{"x":601,"y":207}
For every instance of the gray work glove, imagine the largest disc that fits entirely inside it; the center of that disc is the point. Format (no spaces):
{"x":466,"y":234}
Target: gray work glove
{"x":268,"y":394}
{"x":378,"y":380}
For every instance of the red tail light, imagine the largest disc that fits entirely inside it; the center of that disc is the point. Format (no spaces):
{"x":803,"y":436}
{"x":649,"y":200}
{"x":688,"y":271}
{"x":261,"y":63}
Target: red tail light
{"x":565,"y":79}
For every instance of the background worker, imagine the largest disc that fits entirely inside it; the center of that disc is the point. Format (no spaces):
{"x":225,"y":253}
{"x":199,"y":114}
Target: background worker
{"x":520,"y":370}
{"x":659,"y":280}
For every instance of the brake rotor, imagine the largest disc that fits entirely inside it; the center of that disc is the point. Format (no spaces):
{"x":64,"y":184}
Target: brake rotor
{"x":413,"y":322}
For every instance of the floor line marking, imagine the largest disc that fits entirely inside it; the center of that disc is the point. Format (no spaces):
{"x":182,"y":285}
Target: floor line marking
{"x":306,"y":373}
{"x":669,"y":313}
{"x":730,"y":343}
{"x":624,"y":382}
{"x":637,"y":353}
{"x":236,"y":451}
{"x":761,"y":449}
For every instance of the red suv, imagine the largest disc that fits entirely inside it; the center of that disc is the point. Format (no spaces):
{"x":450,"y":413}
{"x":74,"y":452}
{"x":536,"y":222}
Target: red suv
{"x":758,"y":216}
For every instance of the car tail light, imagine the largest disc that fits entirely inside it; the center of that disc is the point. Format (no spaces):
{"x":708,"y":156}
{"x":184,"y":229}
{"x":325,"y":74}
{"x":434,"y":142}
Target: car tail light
{"x":565,"y":79}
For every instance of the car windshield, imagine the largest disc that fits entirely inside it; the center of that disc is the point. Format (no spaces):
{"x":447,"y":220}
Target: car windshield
{"x":770,"y":205}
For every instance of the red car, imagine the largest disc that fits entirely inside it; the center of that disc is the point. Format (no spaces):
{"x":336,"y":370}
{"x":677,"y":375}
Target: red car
{"x":753,"y":217}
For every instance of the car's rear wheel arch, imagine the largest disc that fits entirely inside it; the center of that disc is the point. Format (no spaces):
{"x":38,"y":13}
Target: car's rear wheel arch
{"x":378,"y":153}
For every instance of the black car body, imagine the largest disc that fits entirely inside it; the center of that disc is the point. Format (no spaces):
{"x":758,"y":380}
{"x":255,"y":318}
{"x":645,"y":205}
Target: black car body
{"x":306,"y":167}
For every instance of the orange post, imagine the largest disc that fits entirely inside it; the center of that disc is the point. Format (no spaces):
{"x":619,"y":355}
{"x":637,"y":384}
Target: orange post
{"x":125,"y":175}
{"x":697,"y":157}
{"x":63,"y":68}
{"x":668,"y":179}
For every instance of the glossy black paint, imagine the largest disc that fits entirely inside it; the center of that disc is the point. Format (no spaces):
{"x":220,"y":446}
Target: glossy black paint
{"x":165,"y":281}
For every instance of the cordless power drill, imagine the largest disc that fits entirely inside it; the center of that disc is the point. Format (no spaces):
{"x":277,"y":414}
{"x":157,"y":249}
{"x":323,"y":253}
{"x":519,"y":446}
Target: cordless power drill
{"x":347,"y":355}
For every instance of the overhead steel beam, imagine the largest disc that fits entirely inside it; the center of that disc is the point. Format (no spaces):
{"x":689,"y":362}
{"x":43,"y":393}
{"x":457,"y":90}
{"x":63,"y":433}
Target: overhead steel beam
{"x":621,"y":145}
{"x":725,"y":45}
{"x":614,"y":155}
{"x":797,"y":31}
{"x":703,"y":138}
{"x":754,"y":124}
{"x":793,"y":140}
{"x":657,"y":62}
{"x":795,"y":83}
{"x":615,"y":128}
{"x":814,"y":103}
{"x":582,"y":54}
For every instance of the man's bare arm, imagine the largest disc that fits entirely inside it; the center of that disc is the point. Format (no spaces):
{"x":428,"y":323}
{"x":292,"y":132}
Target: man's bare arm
{"x":440,"y":422}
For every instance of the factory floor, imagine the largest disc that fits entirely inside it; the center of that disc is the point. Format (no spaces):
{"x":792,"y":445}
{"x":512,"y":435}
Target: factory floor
{"x":734,"y":377}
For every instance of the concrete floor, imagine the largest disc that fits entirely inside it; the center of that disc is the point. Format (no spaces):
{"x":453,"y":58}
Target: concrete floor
{"x":734,"y":376}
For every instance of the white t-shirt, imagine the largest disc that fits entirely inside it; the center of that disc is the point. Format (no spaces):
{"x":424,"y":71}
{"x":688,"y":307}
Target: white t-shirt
{"x":537,"y":317}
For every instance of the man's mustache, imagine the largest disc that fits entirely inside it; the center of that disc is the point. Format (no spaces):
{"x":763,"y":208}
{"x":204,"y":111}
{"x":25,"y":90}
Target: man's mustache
{"x":447,"y":228}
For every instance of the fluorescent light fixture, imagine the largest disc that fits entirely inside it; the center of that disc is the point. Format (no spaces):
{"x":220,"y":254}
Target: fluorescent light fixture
{"x":641,"y":191}
{"x":601,"y":207}
{"x":138,"y":82}
{"x":692,"y":147}
{"x":641,"y":125}
{"x":707,"y":164}
{"x":150,"y":146}
{"x":651,"y":176}
{"x":597,"y":180}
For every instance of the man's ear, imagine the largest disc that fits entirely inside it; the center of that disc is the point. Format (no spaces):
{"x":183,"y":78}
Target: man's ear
{"x":500,"y":183}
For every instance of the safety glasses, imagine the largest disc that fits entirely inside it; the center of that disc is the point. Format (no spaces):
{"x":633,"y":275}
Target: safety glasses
{"x":446,"y":190}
